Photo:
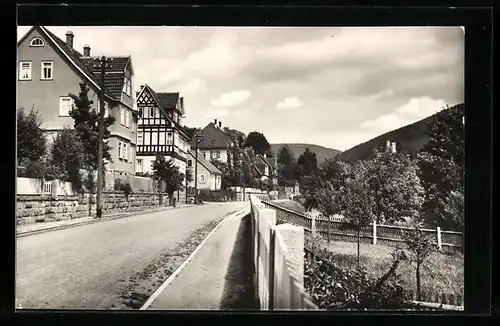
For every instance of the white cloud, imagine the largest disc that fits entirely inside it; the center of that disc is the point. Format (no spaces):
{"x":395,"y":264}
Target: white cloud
{"x":232,"y":99}
{"x":289,"y":103}
{"x":171,"y":76}
{"x":416,"y":109}
{"x":217,"y":113}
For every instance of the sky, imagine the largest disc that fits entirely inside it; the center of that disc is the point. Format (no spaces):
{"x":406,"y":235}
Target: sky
{"x":329,"y":86}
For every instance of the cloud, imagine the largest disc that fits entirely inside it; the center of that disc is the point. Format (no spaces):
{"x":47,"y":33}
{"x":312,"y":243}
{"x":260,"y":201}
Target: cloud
{"x":216,"y":113}
{"x":232,"y":99}
{"x":289,"y":103}
{"x":412,"y":111}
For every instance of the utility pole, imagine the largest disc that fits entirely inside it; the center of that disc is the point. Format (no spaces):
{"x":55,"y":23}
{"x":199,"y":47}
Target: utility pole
{"x":103,"y":63}
{"x":198,"y":139}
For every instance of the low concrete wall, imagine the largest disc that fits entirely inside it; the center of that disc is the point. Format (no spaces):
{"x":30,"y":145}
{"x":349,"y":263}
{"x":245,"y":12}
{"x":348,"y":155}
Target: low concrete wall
{"x":35,"y":208}
{"x":278,"y":258}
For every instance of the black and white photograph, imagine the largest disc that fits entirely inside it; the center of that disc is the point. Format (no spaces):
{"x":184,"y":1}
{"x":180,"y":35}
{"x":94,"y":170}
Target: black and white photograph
{"x":249,"y":168}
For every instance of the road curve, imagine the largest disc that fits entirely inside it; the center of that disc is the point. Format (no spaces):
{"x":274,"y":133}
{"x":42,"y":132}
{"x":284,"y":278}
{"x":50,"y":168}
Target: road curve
{"x":82,"y":267}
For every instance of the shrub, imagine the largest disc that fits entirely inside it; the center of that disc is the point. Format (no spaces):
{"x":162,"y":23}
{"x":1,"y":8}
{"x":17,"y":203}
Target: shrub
{"x":125,"y":187}
{"x":215,"y":196}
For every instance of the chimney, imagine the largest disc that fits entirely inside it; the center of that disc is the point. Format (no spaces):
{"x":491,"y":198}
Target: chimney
{"x":69,"y":39}
{"x":220,"y":124}
{"x":215,"y":123}
{"x":86,"y":50}
{"x":393,"y":147}
{"x":387,"y":145}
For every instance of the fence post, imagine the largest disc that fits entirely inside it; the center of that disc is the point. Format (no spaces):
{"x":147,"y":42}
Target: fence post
{"x":374,"y":231}
{"x":269,"y":216}
{"x":313,"y":224}
{"x":438,"y":230}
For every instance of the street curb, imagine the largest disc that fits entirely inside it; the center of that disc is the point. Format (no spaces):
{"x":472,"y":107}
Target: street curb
{"x":95,"y":220}
{"x":179,"y":269}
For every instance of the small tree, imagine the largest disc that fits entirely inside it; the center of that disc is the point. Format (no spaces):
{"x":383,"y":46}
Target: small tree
{"x":31,"y":141}
{"x":258,"y":142}
{"x":419,"y":247}
{"x":166,"y":171}
{"x":67,"y":156}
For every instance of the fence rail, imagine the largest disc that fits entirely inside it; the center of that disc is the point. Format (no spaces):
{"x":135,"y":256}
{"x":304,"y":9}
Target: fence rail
{"x":278,"y":256}
{"x":330,"y":228}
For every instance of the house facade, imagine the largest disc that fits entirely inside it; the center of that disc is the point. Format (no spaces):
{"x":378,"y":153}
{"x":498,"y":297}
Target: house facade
{"x":159,"y":129}
{"x":209,"y":177}
{"x":49,"y":69}
{"x":215,"y":143}
{"x":266,"y":168}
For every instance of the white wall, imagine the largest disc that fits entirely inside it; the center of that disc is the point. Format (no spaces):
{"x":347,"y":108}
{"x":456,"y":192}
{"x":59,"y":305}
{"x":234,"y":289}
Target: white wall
{"x":222,"y":158}
{"x":146,"y":164}
{"x":30,"y":186}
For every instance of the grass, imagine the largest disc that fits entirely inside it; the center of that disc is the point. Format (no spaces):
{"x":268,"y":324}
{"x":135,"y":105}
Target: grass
{"x":291,"y":205}
{"x":441,"y":272}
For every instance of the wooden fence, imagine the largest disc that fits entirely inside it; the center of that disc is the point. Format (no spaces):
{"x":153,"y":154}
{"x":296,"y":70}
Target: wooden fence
{"x":278,"y":260}
{"x":330,"y":228}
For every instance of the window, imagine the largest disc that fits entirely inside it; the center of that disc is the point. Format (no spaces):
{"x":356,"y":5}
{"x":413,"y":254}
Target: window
{"x":125,"y":152}
{"x":36,"y":41}
{"x":25,"y":70}
{"x":140,"y":138}
{"x":147,"y":139}
{"x":127,"y":87}
{"x":190,"y":163}
{"x":120,"y":149}
{"x":203,"y":153}
{"x":202,"y":178}
{"x":161,"y":139}
{"x":65,"y":103}
{"x":154,"y":139}
{"x":151,"y":112}
{"x":157,"y":114}
{"x":169,"y":138}
{"x":145,"y":112}
{"x":47,"y":70}
{"x":127,"y":118}
{"x":215,"y":154}
{"x":131,"y":153}
{"x":122,"y":116}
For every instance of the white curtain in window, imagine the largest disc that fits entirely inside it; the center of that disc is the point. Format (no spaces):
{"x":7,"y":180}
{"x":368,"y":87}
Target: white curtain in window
{"x":169,"y":138}
{"x":162,"y":138}
{"x":154,"y":138}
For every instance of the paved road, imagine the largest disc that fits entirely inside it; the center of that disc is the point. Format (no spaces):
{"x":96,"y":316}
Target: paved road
{"x":82,"y":267}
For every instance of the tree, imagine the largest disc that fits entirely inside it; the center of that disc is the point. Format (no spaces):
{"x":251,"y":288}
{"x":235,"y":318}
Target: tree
{"x":86,"y":120}
{"x":226,"y":180}
{"x":165,"y":170}
{"x":395,"y":185}
{"x":190,"y":131}
{"x":307,"y":164}
{"x":419,"y":248}
{"x":442,"y":173}
{"x":258,"y":142}
{"x":31,"y":141}
{"x":67,"y":156}
{"x":286,"y":166}
{"x":236,"y":136}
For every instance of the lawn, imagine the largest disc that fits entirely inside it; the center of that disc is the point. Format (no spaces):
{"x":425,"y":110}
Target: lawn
{"x":442,"y":272}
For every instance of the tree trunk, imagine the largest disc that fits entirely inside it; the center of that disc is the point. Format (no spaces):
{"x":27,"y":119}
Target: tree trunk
{"x":358,"y":246}
{"x":418,"y":281}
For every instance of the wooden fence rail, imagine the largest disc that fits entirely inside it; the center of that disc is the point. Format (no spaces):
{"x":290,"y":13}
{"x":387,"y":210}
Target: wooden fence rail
{"x":278,"y":261}
{"x":330,"y":228}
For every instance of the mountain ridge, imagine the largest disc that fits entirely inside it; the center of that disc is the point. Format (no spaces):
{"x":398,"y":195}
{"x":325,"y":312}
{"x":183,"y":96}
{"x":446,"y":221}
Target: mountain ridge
{"x":322,"y":152}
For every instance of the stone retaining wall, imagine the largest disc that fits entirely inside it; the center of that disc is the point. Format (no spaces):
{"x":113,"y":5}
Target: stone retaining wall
{"x":35,"y":208}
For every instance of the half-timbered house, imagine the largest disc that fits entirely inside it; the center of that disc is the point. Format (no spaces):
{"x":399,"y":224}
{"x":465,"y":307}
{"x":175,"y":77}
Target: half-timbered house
{"x":159,"y":130}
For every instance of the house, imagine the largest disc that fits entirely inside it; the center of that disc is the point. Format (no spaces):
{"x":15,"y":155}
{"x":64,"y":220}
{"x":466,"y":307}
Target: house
{"x":209,"y":176}
{"x":215,"y":142}
{"x":266,"y":168}
{"x":159,"y":130}
{"x":49,"y":69}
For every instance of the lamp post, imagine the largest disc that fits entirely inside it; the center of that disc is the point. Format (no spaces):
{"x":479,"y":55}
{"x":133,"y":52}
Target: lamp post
{"x":198,"y":139}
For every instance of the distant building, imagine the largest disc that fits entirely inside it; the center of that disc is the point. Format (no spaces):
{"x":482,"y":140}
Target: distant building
{"x":209,"y":176}
{"x":266,"y":168}
{"x":49,"y":69}
{"x":215,"y":143}
{"x":390,"y":147}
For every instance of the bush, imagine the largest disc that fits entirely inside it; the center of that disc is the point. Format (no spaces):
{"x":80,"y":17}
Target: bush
{"x":125,"y":187}
{"x":215,"y":196}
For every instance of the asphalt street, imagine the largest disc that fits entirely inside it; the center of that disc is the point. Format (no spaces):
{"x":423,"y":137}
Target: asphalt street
{"x":82,"y":267}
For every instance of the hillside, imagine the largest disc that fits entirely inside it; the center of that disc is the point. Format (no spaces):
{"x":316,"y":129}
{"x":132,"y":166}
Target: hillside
{"x":321,"y":152}
{"x":408,"y":139}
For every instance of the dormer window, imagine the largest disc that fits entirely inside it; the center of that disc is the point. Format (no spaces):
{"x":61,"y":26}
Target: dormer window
{"x":37,"y":42}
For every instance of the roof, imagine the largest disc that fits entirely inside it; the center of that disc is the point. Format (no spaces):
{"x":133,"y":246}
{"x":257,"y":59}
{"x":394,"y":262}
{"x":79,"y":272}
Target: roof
{"x":213,"y":138}
{"x":113,"y":81}
{"x":203,"y":161}
{"x":165,"y":105}
{"x":261,"y":162}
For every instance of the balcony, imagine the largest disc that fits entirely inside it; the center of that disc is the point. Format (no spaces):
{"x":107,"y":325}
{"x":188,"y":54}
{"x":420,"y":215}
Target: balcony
{"x":154,"y":149}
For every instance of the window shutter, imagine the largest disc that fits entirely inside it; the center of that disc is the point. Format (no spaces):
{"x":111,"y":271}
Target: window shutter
{"x":119,"y":149}
{"x":122,"y":116}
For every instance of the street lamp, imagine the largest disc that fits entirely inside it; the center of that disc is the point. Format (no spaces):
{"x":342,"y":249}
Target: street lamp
{"x":198,"y":139}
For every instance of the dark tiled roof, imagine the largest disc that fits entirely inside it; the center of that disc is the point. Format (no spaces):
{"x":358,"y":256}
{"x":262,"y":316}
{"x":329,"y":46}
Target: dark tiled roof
{"x":113,"y":81}
{"x":206,"y":163}
{"x":213,"y":138}
{"x":168,"y":100}
{"x":261,"y":162}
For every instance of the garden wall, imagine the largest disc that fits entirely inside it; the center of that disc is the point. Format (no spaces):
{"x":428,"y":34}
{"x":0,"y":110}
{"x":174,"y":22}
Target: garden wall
{"x":35,"y":208}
